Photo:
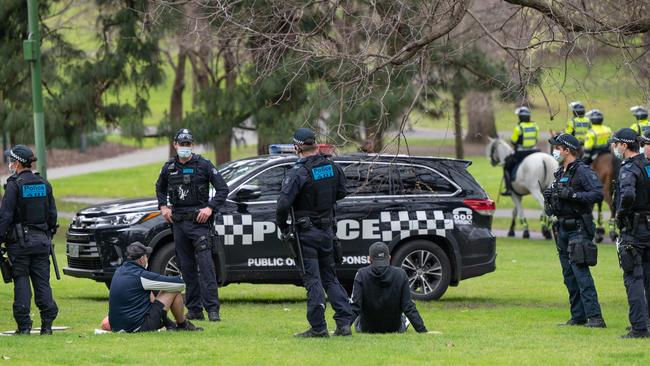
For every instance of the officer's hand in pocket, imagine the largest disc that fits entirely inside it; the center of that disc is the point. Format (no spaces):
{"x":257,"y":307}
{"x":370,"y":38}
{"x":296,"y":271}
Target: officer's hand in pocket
{"x":204,"y":215}
{"x":166,"y":213}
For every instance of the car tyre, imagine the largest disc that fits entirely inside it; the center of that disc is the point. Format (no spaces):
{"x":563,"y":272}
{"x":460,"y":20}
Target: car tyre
{"x":427,"y":266}
{"x":164,"y":261}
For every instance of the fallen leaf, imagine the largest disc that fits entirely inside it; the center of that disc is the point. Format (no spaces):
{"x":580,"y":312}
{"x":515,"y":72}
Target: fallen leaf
{"x":6,"y":358}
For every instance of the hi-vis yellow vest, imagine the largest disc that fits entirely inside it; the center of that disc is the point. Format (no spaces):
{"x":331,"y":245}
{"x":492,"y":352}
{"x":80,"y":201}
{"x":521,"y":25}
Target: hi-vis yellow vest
{"x":578,"y":127}
{"x":597,"y":137}
{"x":641,"y":126}
{"x":525,"y":135}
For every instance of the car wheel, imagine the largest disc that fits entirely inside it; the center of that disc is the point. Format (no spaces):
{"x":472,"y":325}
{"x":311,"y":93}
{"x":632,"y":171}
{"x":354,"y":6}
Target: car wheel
{"x":427,"y":267}
{"x":164,"y":261}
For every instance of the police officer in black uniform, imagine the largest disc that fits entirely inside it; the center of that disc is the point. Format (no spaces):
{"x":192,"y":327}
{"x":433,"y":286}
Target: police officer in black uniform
{"x":27,"y":224}
{"x":632,"y":194}
{"x":571,"y":198}
{"x":185,"y":180}
{"x":312,"y":188}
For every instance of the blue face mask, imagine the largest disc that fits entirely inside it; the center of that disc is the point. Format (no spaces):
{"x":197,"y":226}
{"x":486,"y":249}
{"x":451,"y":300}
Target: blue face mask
{"x":184,"y":152}
{"x":557,"y":156}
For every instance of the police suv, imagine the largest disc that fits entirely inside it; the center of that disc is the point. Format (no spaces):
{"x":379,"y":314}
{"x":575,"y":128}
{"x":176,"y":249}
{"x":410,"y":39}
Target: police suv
{"x":433,"y":215}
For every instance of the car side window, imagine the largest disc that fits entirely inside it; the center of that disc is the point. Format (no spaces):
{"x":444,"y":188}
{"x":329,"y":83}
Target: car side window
{"x":420,"y":180}
{"x":269,"y":183}
{"x":370,"y":179}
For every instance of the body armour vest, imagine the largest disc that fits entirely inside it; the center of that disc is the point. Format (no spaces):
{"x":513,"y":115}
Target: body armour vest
{"x":33,"y":206}
{"x":318,"y":196}
{"x":183,"y":187}
{"x":567,"y":208}
{"x":642,"y":199}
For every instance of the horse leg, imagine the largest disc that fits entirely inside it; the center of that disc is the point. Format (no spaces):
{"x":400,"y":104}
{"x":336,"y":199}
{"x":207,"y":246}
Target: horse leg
{"x":543,"y":219}
{"x":511,"y":232}
{"x":519,"y":211}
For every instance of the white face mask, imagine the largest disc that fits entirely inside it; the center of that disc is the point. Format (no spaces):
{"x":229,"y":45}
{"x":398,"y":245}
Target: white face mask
{"x":617,"y":153}
{"x":12,"y":170}
{"x":184,"y":152}
{"x":557,"y":156}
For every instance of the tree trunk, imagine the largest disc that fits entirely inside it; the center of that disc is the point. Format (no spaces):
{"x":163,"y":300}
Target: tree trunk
{"x":458,"y":128}
{"x":223,"y":143}
{"x":480,"y":117}
{"x":176,"y":102}
{"x":263,"y":142}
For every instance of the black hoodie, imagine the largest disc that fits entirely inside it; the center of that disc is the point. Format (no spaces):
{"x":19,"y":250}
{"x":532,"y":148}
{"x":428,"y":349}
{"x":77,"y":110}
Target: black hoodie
{"x":379,"y":297}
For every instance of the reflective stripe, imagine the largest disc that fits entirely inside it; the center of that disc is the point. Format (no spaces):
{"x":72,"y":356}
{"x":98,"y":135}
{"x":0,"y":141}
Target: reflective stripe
{"x":578,"y":127}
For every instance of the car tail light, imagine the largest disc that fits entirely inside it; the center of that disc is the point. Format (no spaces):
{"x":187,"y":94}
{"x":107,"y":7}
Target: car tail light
{"x":483,"y":207}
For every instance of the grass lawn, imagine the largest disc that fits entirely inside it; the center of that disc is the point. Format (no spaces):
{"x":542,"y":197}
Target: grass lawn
{"x":506,"y":317}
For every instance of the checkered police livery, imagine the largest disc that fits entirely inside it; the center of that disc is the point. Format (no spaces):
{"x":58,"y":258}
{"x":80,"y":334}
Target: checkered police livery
{"x":239,"y":227}
{"x":241,"y":230}
{"x":405,"y":223}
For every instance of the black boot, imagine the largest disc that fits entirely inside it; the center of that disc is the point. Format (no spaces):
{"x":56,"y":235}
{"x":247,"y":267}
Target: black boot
{"x":343,"y":331}
{"x":191,"y":315}
{"x":596,"y":322}
{"x":572,"y":322}
{"x":188,"y":326}
{"x":46,"y":328}
{"x":168,"y":323}
{"x":311,"y":333}
{"x":636,"y":334}
{"x":214,"y":316}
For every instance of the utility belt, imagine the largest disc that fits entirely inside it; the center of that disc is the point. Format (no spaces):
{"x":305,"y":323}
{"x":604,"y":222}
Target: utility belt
{"x":305,"y":223}
{"x":20,"y":231}
{"x":185,"y":216}
{"x":631,"y":223}
{"x":578,"y":222}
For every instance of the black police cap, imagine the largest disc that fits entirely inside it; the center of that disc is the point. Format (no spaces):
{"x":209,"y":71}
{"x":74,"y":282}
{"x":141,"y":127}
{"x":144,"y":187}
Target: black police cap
{"x":624,"y":135}
{"x":645,"y":138}
{"x":566,"y":140}
{"x":184,"y":135}
{"x":20,"y":153}
{"x":304,"y":136}
{"x":136,"y":250}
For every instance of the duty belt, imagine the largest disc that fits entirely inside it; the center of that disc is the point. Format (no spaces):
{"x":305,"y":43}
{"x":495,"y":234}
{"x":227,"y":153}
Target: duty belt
{"x":186,"y":216}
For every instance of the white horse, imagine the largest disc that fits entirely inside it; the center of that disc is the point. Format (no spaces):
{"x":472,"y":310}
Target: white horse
{"x":534,"y":174}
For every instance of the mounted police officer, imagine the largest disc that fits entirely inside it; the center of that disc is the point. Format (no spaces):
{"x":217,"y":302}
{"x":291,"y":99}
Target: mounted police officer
{"x":310,"y":191}
{"x":642,"y":125}
{"x":578,"y":125}
{"x":632,"y":194}
{"x":596,"y":142}
{"x":524,"y":139}
{"x":27,"y":224}
{"x":185,"y":180}
{"x":571,"y":198}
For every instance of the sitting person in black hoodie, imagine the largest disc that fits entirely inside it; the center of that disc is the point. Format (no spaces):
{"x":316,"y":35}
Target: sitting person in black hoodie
{"x":381,"y":296}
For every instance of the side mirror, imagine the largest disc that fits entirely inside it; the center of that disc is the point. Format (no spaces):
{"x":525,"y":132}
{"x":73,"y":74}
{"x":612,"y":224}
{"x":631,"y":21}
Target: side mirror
{"x":248,"y":192}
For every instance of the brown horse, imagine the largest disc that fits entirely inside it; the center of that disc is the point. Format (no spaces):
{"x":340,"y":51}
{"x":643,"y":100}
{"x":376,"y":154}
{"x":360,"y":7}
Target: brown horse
{"x":606,"y":166}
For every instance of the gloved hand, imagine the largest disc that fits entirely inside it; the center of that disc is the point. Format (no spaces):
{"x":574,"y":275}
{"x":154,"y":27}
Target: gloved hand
{"x":548,"y":194}
{"x":286,"y":234}
{"x":567,"y":193}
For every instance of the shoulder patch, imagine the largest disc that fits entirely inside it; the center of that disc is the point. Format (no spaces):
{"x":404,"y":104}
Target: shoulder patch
{"x":647,"y":171}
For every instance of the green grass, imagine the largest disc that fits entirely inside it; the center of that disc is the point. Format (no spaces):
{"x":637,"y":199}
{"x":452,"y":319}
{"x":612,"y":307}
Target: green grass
{"x":506,"y":317}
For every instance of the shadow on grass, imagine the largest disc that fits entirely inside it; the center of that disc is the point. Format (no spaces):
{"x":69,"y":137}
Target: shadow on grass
{"x":470,"y":302}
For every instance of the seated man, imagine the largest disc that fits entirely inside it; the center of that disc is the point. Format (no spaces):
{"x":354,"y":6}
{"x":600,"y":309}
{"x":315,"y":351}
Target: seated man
{"x":381,"y":295}
{"x":132,"y":306}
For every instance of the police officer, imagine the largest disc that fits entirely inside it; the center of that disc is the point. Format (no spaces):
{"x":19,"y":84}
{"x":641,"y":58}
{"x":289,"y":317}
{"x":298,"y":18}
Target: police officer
{"x":578,"y":125}
{"x":642,"y":125}
{"x":571,"y":198}
{"x":27,"y":224}
{"x":524,"y":139}
{"x":644,"y":142}
{"x":632,"y":194}
{"x":185,"y":179}
{"x":596,"y":141}
{"x":311,"y":188}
